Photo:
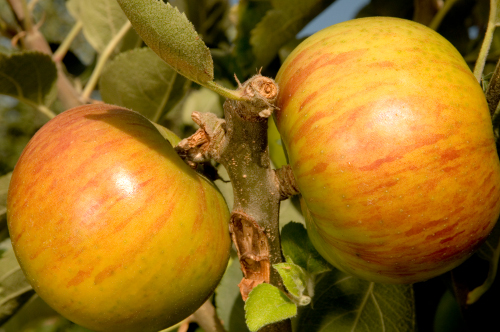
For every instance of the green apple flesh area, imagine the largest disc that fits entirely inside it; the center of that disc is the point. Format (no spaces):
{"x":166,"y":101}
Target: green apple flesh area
{"x":391,"y":143}
{"x":111,"y":228}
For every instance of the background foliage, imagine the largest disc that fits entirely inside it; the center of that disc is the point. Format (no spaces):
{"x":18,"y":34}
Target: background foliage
{"x":107,"y":60}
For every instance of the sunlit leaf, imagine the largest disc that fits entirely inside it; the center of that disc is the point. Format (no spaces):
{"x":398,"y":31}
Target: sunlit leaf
{"x":14,"y":289}
{"x":281,"y":24}
{"x":265,"y":305}
{"x":28,"y":76}
{"x":344,"y":303}
{"x":296,"y":281}
{"x":169,"y":33}
{"x":138,"y":79}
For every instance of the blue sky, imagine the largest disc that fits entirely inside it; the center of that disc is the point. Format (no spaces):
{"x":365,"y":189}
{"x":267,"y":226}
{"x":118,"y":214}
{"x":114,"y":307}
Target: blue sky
{"x":339,"y":11}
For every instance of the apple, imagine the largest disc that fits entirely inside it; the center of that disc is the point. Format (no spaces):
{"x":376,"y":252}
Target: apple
{"x":390,"y":140}
{"x":111,"y":228}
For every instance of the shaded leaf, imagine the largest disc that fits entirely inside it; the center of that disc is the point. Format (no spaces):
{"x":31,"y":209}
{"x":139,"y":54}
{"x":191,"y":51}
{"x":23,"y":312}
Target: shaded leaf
{"x":296,"y":245}
{"x":6,"y":14}
{"x":228,"y":301}
{"x":167,"y":134}
{"x":202,"y":100}
{"x":345,"y":303}
{"x":102,"y":20}
{"x":289,"y":212}
{"x":226,"y":188}
{"x":15,"y":69}
{"x":209,"y":17}
{"x":4,"y":188}
{"x":169,"y":33}
{"x":57,"y":23}
{"x":14,"y":289}
{"x":37,"y":316}
{"x":448,"y":317}
{"x":265,"y":305}
{"x":138,"y":79}
{"x":249,"y":13}
{"x":281,"y":24}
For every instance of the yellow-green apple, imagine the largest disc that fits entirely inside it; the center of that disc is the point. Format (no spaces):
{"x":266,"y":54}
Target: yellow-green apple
{"x":111,"y":228}
{"x":390,"y":140}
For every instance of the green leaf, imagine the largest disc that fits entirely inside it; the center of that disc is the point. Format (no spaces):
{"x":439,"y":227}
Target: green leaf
{"x":102,"y":20}
{"x":169,"y":33}
{"x":289,"y":212}
{"x":295,"y":280}
{"x":281,"y":24}
{"x":345,"y":303}
{"x":249,"y":14}
{"x":265,"y":305}
{"x":203,"y":100}
{"x":209,"y":17}
{"x":228,"y":301}
{"x":14,"y":289}
{"x":29,"y":77}
{"x":138,"y":79}
{"x":167,"y":134}
{"x":296,"y":245}
{"x":4,"y":188}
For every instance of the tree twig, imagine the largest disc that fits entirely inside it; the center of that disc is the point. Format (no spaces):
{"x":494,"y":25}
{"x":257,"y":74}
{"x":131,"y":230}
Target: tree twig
{"x":239,"y":143}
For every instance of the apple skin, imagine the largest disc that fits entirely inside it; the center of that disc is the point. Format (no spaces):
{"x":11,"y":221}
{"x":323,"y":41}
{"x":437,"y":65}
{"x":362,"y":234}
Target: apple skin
{"x":111,"y":228}
{"x":390,"y":140}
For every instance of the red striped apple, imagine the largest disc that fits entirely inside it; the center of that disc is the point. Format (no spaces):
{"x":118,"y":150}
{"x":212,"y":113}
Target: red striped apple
{"x":391,"y":144}
{"x":111,"y":228}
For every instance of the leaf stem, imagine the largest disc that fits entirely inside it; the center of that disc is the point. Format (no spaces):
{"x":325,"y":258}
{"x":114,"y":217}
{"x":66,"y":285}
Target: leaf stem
{"x":103,"y":58}
{"x":27,"y":24}
{"x":477,"y":292}
{"x":228,"y":93}
{"x":39,"y":107}
{"x":488,"y":37}
{"x":45,"y":110}
{"x":438,"y":18}
{"x":66,"y":44}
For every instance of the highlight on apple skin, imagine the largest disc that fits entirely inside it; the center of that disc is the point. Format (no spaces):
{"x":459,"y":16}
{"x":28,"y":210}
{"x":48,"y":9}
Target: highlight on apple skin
{"x":111,"y":228}
{"x":390,"y":139}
